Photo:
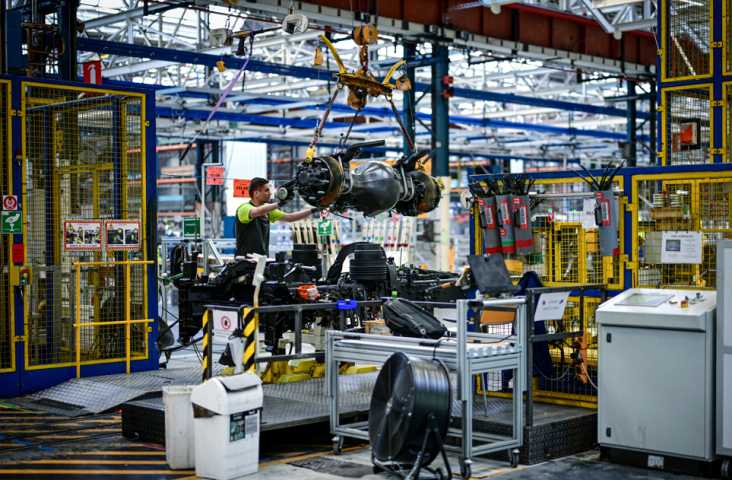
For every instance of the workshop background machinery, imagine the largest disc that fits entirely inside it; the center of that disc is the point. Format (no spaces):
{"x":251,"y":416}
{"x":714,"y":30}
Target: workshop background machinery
{"x":657,"y":379}
{"x":301,"y":280}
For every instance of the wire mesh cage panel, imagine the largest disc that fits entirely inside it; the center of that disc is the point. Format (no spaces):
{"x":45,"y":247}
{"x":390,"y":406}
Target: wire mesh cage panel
{"x":687,"y":39}
{"x":727,"y":27}
{"x":84,"y":160}
{"x":665,"y":204}
{"x":566,"y":250}
{"x":7,"y":359}
{"x":687,"y":127}
{"x":555,"y":380}
{"x":727,"y":119}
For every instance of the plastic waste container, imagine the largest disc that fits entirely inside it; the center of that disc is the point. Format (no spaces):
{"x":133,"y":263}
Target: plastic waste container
{"x":179,"y":444}
{"x":227,"y":412}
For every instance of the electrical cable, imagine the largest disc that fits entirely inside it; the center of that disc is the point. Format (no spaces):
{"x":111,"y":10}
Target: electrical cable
{"x":548,"y":378}
{"x":589,"y":379}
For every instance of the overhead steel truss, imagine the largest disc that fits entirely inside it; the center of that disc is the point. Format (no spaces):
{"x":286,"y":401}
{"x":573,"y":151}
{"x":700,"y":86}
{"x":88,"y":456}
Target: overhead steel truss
{"x":511,"y":98}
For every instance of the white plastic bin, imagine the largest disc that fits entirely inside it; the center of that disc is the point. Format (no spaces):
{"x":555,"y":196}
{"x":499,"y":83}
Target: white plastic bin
{"x":227,"y":412}
{"x":179,"y":445}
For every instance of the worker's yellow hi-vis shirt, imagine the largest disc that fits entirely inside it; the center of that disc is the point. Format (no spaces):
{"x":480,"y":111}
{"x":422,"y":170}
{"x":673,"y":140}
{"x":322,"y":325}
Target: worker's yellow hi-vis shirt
{"x":252,"y":234}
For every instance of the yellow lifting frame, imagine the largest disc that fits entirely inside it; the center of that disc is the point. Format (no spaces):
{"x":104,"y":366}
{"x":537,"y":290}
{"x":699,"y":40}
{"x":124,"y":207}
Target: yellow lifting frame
{"x":26,"y":102}
{"x":664,"y":46}
{"x":11,"y":292}
{"x":126,"y":322}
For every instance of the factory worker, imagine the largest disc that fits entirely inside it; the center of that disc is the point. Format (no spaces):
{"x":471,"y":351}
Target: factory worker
{"x":253,"y":218}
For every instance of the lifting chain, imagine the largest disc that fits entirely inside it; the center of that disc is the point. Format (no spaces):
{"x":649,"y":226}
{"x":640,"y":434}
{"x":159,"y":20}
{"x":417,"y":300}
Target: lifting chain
{"x":343,"y":139}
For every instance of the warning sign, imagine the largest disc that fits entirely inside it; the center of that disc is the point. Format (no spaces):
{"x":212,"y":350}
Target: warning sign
{"x":215,"y":176}
{"x":10,"y":202}
{"x":82,"y":235}
{"x":241,"y":188}
{"x":93,"y":72}
{"x":224,"y":324}
{"x":122,"y":235}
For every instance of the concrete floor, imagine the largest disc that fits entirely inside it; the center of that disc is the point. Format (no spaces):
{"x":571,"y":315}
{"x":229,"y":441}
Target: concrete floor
{"x":301,"y":453}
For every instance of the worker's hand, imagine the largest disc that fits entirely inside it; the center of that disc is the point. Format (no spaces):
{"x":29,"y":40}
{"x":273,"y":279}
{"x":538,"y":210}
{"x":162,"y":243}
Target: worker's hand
{"x":317,"y":209}
{"x":290,"y":196}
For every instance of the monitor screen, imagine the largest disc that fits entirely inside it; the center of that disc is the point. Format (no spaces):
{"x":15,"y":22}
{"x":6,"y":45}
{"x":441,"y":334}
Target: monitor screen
{"x":646,"y":299}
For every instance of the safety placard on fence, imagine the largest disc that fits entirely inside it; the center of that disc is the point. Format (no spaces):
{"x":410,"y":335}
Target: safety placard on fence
{"x":82,"y":235}
{"x":10,"y":202}
{"x":12,"y":222}
{"x":224,"y":324}
{"x":122,"y":235}
{"x":325,"y":227}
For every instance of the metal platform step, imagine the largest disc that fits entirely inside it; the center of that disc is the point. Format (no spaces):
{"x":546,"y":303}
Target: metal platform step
{"x":82,"y":396}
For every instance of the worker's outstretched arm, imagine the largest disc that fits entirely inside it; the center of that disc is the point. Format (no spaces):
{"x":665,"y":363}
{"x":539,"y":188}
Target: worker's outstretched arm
{"x":293,"y":217}
{"x":263,"y":210}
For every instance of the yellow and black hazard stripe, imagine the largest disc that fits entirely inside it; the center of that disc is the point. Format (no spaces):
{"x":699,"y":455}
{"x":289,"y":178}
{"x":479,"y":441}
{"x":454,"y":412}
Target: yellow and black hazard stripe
{"x":250,"y":340}
{"x":207,"y":364}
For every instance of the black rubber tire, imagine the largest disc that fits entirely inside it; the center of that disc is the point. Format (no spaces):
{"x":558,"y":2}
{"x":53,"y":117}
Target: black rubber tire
{"x":465,"y":470}
{"x":441,"y":474}
{"x":338,"y":446}
{"x":514,"y":457}
{"x":727,"y":469}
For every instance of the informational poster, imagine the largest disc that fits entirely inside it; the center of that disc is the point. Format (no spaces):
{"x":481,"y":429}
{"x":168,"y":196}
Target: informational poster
{"x":122,"y":235}
{"x":681,"y":247}
{"x":588,"y":213}
{"x":241,"y":188}
{"x":551,"y":306}
{"x":83,"y":235}
{"x":224,"y":324}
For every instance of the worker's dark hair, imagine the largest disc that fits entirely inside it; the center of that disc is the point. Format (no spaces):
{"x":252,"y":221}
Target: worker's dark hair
{"x":256,"y":184}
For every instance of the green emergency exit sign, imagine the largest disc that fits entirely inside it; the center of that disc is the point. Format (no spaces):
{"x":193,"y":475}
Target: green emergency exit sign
{"x":191,"y":227}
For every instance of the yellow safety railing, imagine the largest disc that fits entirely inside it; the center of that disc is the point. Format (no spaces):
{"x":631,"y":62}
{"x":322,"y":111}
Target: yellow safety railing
{"x":126,"y":322}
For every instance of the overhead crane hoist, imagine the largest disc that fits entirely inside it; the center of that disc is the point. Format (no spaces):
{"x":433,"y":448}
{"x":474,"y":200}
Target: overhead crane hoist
{"x":360,"y":84}
{"x":374,"y":187}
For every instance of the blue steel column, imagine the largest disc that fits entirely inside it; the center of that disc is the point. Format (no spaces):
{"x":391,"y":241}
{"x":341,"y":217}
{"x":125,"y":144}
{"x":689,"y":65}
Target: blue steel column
{"x":14,"y":387}
{"x":631,"y":125}
{"x":151,"y":194}
{"x":441,"y":114}
{"x":66,"y":14}
{"x":718,"y":65}
{"x":408,"y":107}
{"x":659,"y":89}
{"x":441,"y":141}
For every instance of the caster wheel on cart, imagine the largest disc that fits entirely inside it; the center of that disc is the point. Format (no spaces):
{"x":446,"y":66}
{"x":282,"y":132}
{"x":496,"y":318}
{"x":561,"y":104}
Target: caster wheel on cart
{"x":727,"y":469}
{"x":465,"y":470}
{"x":441,"y":474}
{"x":513,"y":457}
{"x":337,"y":445}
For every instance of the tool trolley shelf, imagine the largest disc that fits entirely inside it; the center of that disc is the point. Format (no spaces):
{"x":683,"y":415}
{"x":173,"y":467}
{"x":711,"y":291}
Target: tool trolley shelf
{"x":470,"y":353}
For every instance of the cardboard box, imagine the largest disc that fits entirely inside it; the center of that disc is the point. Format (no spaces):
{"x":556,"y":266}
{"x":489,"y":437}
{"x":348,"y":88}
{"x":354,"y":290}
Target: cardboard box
{"x":659,"y":213}
{"x":492,"y":317}
{"x":673,"y":224}
{"x":377,"y":323}
{"x":514,"y":266}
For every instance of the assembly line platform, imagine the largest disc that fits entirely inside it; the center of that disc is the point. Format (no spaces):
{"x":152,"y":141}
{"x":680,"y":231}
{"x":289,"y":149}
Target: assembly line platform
{"x":557,"y":431}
